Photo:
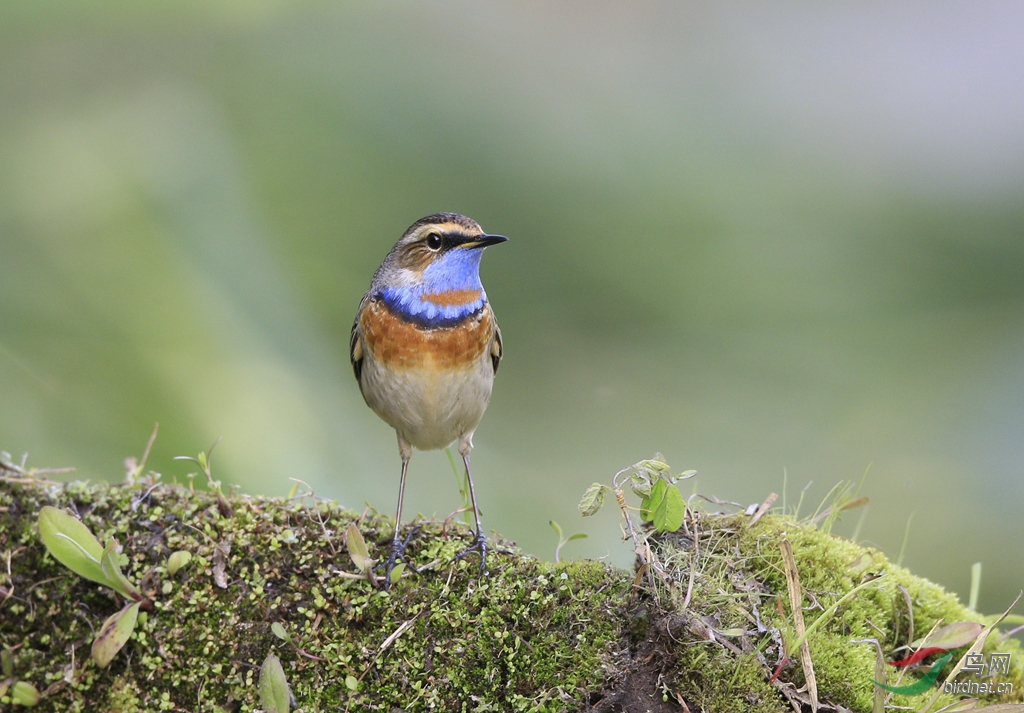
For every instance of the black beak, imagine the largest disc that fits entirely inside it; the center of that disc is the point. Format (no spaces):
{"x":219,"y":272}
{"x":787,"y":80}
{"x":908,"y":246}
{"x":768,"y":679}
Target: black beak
{"x":482,"y":241}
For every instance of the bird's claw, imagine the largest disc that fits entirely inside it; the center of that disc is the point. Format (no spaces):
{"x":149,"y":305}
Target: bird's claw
{"x":479,"y":545}
{"x":397,"y":554}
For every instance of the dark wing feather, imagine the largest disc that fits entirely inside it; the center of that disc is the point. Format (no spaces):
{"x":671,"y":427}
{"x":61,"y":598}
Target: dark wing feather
{"x":355,"y":351}
{"x":496,"y":348}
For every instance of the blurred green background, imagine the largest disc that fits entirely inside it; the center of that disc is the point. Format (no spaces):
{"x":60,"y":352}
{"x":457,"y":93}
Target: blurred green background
{"x":763,"y":240}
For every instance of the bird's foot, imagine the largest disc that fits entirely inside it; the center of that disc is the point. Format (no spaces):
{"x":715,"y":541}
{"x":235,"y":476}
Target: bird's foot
{"x":396,"y":555}
{"x":479,"y":545}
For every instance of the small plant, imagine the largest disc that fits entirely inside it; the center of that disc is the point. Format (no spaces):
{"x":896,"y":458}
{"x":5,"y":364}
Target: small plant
{"x":358,"y":551}
{"x":278,"y":630}
{"x":275,"y":695}
{"x":74,"y":546}
{"x":21,"y":473}
{"x":135,"y":467}
{"x":22,"y":693}
{"x":661,"y":503}
{"x":177,"y":560}
{"x":203,"y":461}
{"x":360,"y":556}
{"x":842,"y":497}
{"x":562,"y":539}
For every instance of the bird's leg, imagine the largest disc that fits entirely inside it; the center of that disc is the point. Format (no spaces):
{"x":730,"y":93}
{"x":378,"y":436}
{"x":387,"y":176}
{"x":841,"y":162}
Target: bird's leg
{"x":480,"y":543}
{"x":397,"y":545}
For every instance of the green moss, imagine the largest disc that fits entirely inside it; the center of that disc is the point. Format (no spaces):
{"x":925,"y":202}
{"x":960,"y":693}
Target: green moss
{"x":742,"y":684}
{"x":532,"y":636}
{"x":831,"y":566}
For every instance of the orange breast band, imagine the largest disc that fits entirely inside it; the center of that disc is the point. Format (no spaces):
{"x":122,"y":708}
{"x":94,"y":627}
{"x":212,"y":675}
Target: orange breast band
{"x":401,"y":344}
{"x":453,"y":298}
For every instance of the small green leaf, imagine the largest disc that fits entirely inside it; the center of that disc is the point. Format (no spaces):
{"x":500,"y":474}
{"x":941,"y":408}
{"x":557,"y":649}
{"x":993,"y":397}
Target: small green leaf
{"x":732,"y":633}
{"x":592,"y":500}
{"x":114,"y":634}
{"x":115,"y":578}
{"x":653,"y":501}
{"x":396,"y":572}
{"x":953,"y":636}
{"x":25,"y":694}
{"x":576,"y":536}
{"x":71,"y":544}
{"x":351,"y":683}
{"x":557,"y":528}
{"x":655,"y":466}
{"x":669,"y":515}
{"x":658,"y":513}
{"x":177,"y":560}
{"x":640,"y":483}
{"x":274,"y":694}
{"x":280,"y":632}
{"x":7,"y":662}
{"x":357,"y":548}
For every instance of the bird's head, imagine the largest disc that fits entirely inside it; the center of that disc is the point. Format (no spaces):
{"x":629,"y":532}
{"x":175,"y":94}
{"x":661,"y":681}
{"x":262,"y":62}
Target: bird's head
{"x":434,"y":269}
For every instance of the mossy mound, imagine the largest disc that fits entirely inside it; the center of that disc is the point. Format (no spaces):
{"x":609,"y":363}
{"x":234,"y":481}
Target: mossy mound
{"x":532,"y":636}
{"x":731,"y":633}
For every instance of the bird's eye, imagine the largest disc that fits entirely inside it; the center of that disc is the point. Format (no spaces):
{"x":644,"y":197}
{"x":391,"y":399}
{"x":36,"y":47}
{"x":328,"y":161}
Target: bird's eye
{"x":434,"y":241}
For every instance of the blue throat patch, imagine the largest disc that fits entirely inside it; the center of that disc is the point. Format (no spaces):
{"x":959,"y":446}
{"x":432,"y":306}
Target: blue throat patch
{"x":455,"y":270}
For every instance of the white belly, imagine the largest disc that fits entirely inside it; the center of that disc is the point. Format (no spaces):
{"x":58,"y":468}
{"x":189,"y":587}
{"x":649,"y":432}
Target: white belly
{"x":429,"y":408}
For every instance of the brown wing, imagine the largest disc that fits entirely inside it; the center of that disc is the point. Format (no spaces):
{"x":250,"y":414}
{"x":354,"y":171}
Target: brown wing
{"x":496,"y":348}
{"x":355,"y":351}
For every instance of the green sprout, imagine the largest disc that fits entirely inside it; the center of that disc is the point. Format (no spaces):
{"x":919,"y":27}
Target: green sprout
{"x":22,"y":693}
{"x":275,"y":695}
{"x":177,"y":560}
{"x":203,"y":461}
{"x":562,"y":539}
{"x":661,"y":503}
{"x":74,"y":546}
{"x":360,"y":556}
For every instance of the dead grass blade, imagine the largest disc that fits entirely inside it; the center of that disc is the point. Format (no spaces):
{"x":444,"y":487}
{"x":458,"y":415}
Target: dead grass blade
{"x":796,"y":598}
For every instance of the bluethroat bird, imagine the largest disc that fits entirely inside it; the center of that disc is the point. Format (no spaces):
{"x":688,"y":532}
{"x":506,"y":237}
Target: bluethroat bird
{"x":425,"y":347}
